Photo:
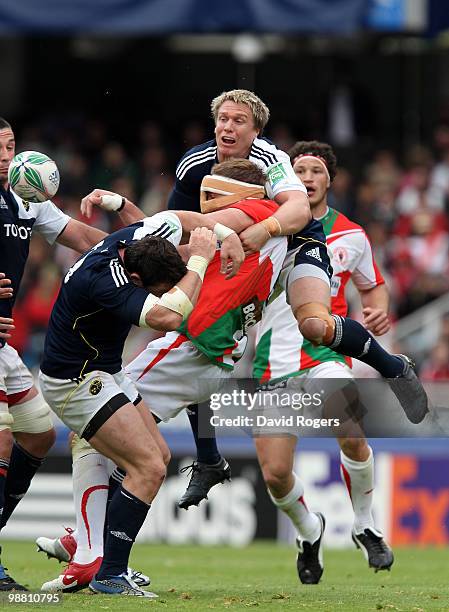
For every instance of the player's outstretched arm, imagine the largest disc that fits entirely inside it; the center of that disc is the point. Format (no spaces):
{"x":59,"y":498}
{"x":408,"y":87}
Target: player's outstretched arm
{"x":79,"y":236}
{"x":168,"y":312}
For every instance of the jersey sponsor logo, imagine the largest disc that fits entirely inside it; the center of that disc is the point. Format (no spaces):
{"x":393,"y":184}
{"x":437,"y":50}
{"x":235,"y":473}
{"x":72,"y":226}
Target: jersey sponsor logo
{"x":276,"y":174}
{"x":95,"y":386}
{"x":118,"y":273}
{"x":252,"y":313}
{"x":315,"y":252}
{"x":17,"y":231}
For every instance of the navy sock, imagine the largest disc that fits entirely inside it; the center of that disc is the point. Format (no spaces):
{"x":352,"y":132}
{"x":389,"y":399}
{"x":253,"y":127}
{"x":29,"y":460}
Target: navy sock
{"x":22,"y":468}
{"x":352,"y":339}
{"x":125,"y":517}
{"x":115,"y":480}
{"x":206,"y":443}
{"x":4,"y":465}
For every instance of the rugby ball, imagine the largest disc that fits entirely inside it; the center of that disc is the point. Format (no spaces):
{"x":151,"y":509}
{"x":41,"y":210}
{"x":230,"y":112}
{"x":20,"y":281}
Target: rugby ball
{"x":33,"y":176}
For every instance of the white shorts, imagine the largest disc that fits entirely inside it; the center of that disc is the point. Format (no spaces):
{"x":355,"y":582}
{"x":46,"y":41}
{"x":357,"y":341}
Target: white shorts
{"x":170,"y":374}
{"x":15,"y":377}
{"x":77,"y":402}
{"x":304,"y":396}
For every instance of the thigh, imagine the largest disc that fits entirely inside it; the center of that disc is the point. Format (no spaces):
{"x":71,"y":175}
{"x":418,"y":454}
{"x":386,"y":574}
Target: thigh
{"x":308,"y":289}
{"x":308,"y":274}
{"x":335,"y":383}
{"x":154,"y":430}
{"x":125,"y":439}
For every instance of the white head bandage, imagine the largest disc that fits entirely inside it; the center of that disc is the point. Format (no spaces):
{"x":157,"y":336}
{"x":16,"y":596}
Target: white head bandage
{"x":316,"y":158}
{"x":230,"y":190}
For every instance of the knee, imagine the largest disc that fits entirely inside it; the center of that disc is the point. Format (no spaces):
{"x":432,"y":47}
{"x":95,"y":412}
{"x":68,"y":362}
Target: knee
{"x":275,"y":475}
{"x":166,"y":455}
{"x":151,"y":469}
{"x":6,"y":442}
{"x":313,"y":329}
{"x":315,"y":323}
{"x":356,"y":449}
{"x":37,"y":444}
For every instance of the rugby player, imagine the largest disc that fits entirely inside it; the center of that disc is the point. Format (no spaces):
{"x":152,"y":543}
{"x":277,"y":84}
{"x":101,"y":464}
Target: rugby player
{"x":134,"y":276}
{"x":26,"y":429}
{"x":283,"y":354}
{"x":240,"y":118}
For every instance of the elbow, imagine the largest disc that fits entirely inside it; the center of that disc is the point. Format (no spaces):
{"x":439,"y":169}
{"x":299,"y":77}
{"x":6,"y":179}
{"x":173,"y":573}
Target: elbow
{"x":168,"y":321}
{"x":307,"y":214}
{"x":302,"y":217}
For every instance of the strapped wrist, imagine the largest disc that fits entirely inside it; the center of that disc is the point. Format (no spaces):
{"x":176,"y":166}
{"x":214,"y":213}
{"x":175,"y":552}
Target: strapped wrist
{"x":272,"y":226}
{"x":198,"y":264}
{"x":222,"y":231}
{"x":113,"y":202}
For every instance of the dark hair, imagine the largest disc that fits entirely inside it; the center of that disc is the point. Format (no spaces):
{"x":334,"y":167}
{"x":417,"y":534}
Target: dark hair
{"x":155,"y":260}
{"x":320,"y":149}
{"x":4,"y":125}
{"x":241,"y":170}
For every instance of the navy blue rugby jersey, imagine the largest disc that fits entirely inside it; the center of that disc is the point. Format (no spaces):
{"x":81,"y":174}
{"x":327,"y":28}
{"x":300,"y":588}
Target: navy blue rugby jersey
{"x":98,"y":303}
{"x":198,"y":162}
{"x":18,"y":220}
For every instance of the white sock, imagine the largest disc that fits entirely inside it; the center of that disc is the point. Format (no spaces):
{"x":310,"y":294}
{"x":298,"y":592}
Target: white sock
{"x":90,"y":492}
{"x":307,"y":523}
{"x":358,"y":477}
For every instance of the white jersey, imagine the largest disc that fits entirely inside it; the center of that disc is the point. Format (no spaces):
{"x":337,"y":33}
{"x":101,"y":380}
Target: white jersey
{"x":281,"y":349}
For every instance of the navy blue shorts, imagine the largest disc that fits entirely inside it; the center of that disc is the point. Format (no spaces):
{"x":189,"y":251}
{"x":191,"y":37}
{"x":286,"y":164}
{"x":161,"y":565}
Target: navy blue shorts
{"x":310,"y":253}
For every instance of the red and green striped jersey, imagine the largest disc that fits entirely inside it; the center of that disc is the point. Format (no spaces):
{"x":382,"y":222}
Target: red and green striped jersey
{"x":226,"y":309}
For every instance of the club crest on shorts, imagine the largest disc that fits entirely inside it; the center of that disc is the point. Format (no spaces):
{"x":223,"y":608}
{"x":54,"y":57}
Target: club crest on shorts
{"x":95,"y":386}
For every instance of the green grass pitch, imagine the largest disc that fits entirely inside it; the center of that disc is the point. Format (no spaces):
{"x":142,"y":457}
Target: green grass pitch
{"x":261,"y":576}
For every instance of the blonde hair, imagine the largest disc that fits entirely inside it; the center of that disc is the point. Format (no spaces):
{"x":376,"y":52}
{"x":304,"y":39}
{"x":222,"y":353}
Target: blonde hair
{"x":259,"y":109}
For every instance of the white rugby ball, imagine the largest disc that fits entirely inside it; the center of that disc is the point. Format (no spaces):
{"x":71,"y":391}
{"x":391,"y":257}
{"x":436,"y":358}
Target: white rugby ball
{"x":33,"y":176}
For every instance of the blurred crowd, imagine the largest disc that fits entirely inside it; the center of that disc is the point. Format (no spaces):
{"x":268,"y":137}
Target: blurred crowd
{"x":402,"y":202}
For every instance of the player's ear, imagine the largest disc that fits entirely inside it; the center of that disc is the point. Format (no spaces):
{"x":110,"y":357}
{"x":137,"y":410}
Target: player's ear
{"x":134,"y":276}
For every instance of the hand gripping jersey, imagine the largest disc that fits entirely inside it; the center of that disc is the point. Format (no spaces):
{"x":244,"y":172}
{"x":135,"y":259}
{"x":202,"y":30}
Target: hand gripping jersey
{"x":226,"y":309}
{"x":18,"y":220}
{"x":281,"y":350}
{"x":98,"y":303}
